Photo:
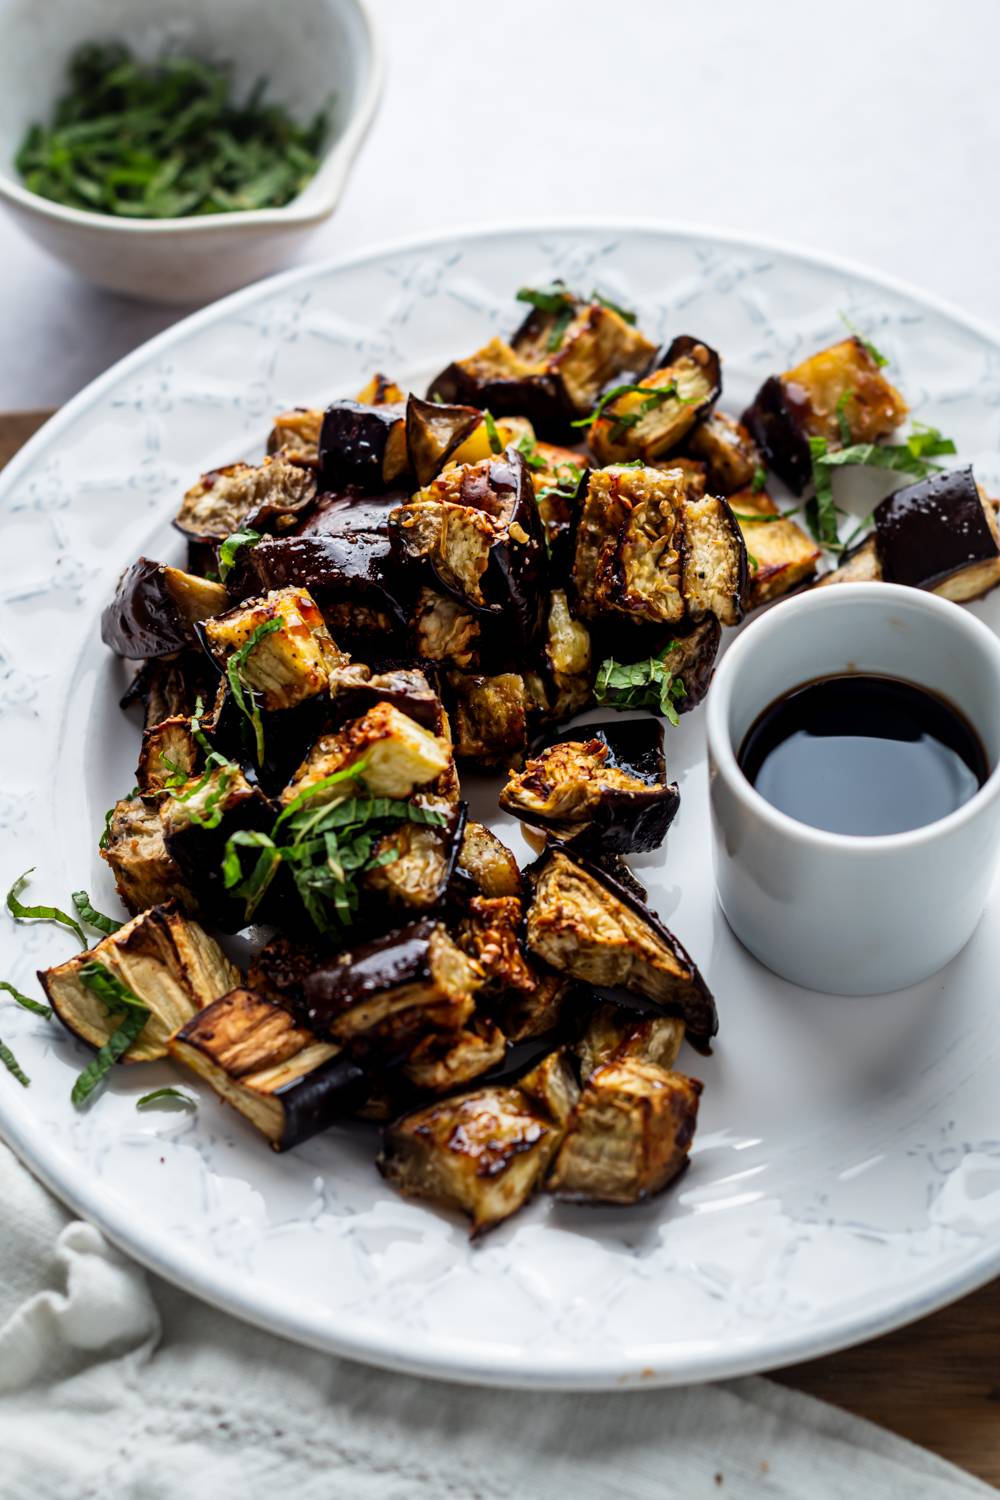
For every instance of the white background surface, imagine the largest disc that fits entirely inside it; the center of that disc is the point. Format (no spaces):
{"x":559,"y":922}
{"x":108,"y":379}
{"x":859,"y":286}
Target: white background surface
{"x":868,"y":128}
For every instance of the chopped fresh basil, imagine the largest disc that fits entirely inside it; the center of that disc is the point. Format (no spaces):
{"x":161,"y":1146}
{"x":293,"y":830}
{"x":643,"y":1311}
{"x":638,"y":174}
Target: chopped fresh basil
{"x":528,"y":449}
{"x":492,"y":433}
{"x":244,"y":696}
{"x":109,"y":989}
{"x":640,"y":684}
{"x":12,"y":1065}
{"x":759,"y":480}
{"x":875,"y":354}
{"x":91,"y":916}
{"x":752,"y":562}
{"x":24,"y":913}
{"x":623,"y":312}
{"x":25,"y":1001}
{"x":558,"y":303}
{"x":114,"y":1048}
{"x":820,"y":511}
{"x":235,"y":542}
{"x":168,"y":1095}
{"x":623,"y":421}
{"x":841,"y":413}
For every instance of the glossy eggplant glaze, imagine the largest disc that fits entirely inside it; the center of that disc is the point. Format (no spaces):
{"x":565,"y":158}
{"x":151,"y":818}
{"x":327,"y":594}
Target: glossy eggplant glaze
{"x":401,"y":957}
{"x":313,"y":1102}
{"x":362,"y":445}
{"x":932,"y":529}
{"x":541,"y":398}
{"x":155,"y":609}
{"x":775,"y":425}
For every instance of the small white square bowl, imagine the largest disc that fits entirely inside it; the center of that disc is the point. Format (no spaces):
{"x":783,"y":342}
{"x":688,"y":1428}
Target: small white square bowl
{"x":307,"y":50}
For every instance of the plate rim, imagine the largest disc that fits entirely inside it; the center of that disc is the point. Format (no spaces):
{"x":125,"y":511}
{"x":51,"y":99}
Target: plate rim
{"x":239,"y":1295}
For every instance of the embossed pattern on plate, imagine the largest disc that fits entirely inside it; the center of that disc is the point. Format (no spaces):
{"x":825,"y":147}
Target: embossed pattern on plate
{"x":846,"y":1174}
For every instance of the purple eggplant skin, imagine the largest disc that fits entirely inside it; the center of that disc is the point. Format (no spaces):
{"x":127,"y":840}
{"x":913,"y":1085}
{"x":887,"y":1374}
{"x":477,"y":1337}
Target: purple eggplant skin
{"x":406,"y":688}
{"x":540,"y":398}
{"x":356,"y":445}
{"x":777,"y":429}
{"x":698,"y":1013}
{"x":343,"y":555}
{"x":198,"y":853}
{"x":314,"y":1102}
{"x":400,"y":957}
{"x":930,"y":530}
{"x":144,"y":619}
{"x":628,"y":822}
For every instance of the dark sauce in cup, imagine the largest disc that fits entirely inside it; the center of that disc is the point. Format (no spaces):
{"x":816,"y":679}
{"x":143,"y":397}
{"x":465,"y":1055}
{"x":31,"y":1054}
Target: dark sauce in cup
{"x":862,"y":754}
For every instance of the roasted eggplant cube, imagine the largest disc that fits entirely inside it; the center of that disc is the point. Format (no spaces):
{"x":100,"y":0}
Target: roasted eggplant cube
{"x":781,"y":555}
{"x":585,"y":923}
{"x":940,"y":534}
{"x":287,"y":664}
{"x":609,"y":787}
{"x":433,"y":433}
{"x":648,"y":423}
{"x":840,"y":384}
{"x":489,"y":717}
{"x":629,"y":1135}
{"x":279,"y":969}
{"x":553,"y":1084}
{"x":362,"y":445}
{"x":594,"y":347}
{"x":197,"y":824}
{"x":568,"y":659}
{"x":169,"y":749}
{"x":715,"y":568}
{"x":728,"y":452}
{"x":414,"y":969}
{"x":692,"y":660}
{"x":443,"y":1062}
{"x":156,"y":608}
{"x":486,"y":865}
{"x":629,"y":546}
{"x":497,"y":378}
{"x":444,"y":630}
{"x":171,"y":686}
{"x":380,"y":391}
{"x":477,"y":530}
{"x":259,"y":496}
{"x":490,"y":933}
{"x":407,"y":689}
{"x":166,"y":961}
{"x":285,"y":1081}
{"x":145,"y":874}
{"x":295,"y":434}
{"x":613,"y":1033}
{"x":483,"y":1153}
{"x":860,"y":565}
{"x":398,"y":755}
{"x":421,"y":862}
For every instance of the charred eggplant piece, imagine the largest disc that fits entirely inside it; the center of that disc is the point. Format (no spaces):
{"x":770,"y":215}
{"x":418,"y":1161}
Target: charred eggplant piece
{"x":445,"y":631}
{"x":295,"y":435}
{"x":168,"y":963}
{"x":585,"y":923}
{"x":781,"y":555}
{"x":156,"y":608}
{"x":280,"y":1077}
{"x":553,"y":1084}
{"x":676,"y":394}
{"x":145,"y":874}
{"x":197,"y":822}
{"x":728,"y":452}
{"x":168,"y":749}
{"x":497,"y":378}
{"x":939,"y":534}
{"x":525,"y":999}
{"x":692,"y":659}
{"x":477,"y":530}
{"x":613,"y":1034}
{"x":433,"y":432}
{"x":586,"y":353}
{"x":486,"y":865}
{"x":422,"y":860}
{"x":629,"y":1135}
{"x":279,"y":969}
{"x":398,"y":755}
{"x":167,"y":687}
{"x":293,"y":653}
{"x":568,"y":659}
{"x":414,"y":969}
{"x":605,"y":785}
{"x":259,"y":496}
{"x":859,"y":565}
{"x":380,"y":391}
{"x":483,"y":1153}
{"x":442,"y":1062}
{"x":649,"y":549}
{"x":489,"y":717}
{"x":841,"y":383}
{"x":404,"y":688}
{"x":363,"y":446}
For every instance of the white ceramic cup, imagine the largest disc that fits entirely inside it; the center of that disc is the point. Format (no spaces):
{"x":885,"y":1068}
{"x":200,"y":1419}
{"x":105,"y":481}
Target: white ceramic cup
{"x":847,"y":914}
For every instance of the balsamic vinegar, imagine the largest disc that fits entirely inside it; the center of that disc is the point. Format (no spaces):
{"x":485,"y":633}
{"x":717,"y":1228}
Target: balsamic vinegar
{"x":862,"y":754}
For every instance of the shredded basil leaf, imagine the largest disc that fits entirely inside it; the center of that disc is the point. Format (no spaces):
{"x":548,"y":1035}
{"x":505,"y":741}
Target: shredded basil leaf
{"x":168,"y":1095}
{"x":528,"y":449}
{"x":623,"y":312}
{"x":25,"y":1001}
{"x":875,"y":354}
{"x":641,"y":684}
{"x":114,"y":1048}
{"x":759,"y":480}
{"x":40,"y":913}
{"x":820,"y":511}
{"x":899,"y":457}
{"x":108,"y":988}
{"x":12,"y":1065}
{"x":492,"y":433}
{"x":240,"y":690}
{"x":91,"y":916}
{"x":235,"y":542}
{"x":555,"y":301}
{"x":841,"y":414}
{"x":654,"y":396}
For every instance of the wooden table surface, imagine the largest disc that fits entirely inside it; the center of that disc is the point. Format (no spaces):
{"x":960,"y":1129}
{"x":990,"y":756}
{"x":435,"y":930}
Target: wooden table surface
{"x":936,"y":1382}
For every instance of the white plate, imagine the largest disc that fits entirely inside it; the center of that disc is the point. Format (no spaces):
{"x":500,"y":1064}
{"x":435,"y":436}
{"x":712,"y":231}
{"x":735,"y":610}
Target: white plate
{"x":846,"y":1172}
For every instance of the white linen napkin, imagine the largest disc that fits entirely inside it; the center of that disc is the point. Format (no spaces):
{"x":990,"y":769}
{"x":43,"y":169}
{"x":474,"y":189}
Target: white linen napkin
{"x":116,"y":1386}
